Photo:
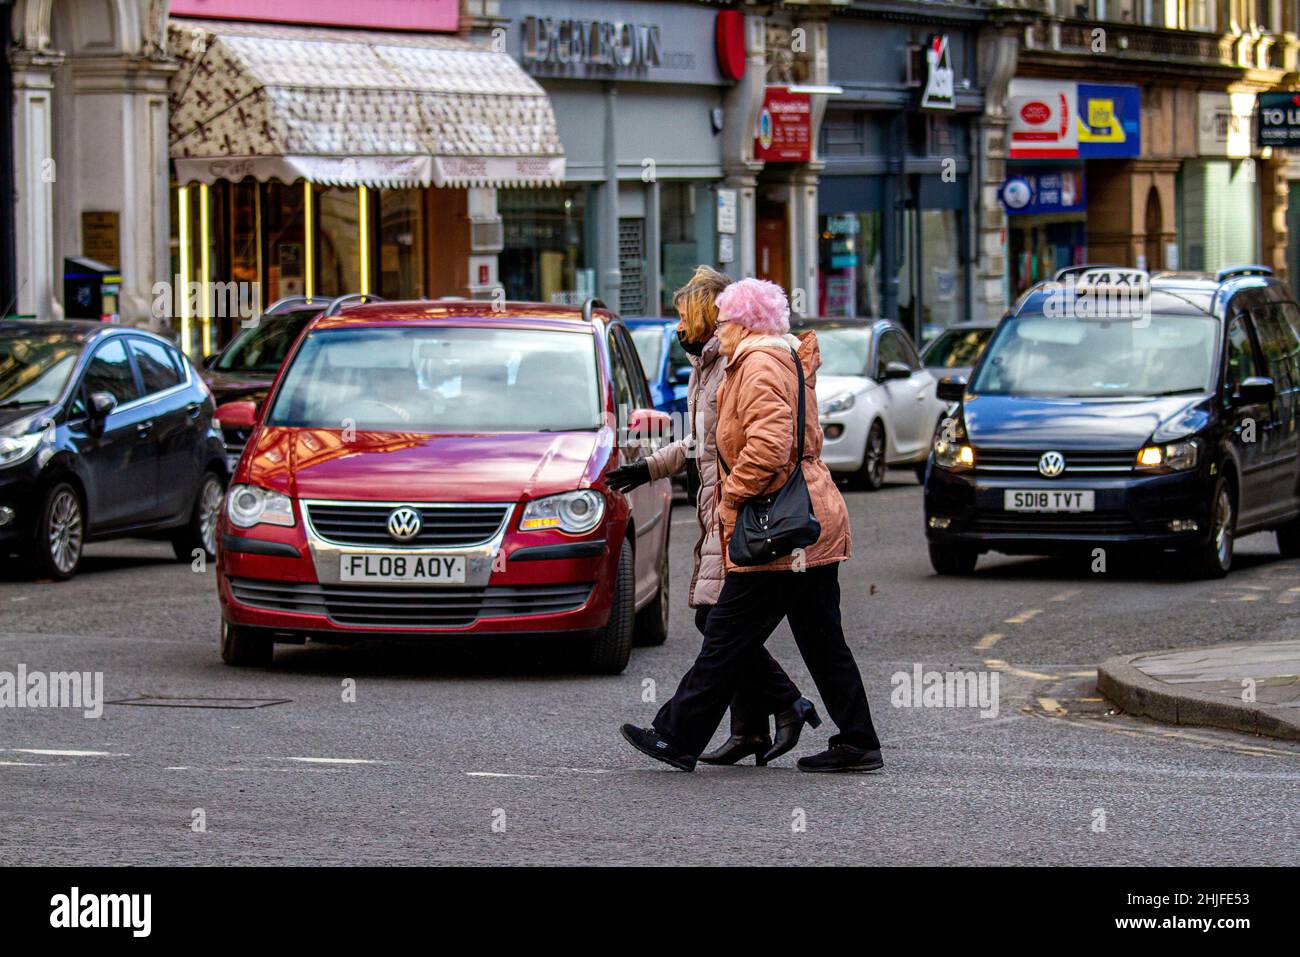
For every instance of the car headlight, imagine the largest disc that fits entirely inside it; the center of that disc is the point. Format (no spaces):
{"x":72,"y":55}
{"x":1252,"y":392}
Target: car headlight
{"x":572,"y":512}
{"x":837,"y":403}
{"x":1171,"y":457}
{"x":953,"y":454}
{"x":18,"y":448}
{"x":248,"y":505}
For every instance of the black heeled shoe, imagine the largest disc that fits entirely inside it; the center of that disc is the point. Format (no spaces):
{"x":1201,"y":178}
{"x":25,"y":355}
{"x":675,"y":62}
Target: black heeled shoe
{"x":740,"y":746}
{"x":789,"y":725}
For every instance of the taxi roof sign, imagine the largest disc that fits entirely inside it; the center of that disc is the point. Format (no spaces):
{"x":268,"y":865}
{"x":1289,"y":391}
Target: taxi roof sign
{"x":1105,"y":277}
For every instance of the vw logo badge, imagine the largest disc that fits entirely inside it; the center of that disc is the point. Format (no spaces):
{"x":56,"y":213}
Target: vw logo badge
{"x":1051,"y":464}
{"x":404,"y":524}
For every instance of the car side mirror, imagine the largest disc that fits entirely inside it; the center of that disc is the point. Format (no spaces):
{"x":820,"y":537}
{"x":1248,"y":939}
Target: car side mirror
{"x":241,"y":414}
{"x":680,"y":376}
{"x":951,"y":388}
{"x":897,"y":370}
{"x":649,"y":428}
{"x":1255,"y":390}
{"x":101,"y":405}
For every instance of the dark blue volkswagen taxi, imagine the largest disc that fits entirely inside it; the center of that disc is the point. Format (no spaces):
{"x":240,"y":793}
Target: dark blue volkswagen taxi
{"x":1116,"y":408}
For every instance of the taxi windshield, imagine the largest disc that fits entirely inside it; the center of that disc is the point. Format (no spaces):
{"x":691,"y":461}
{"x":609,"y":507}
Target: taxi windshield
{"x":1082,"y":358}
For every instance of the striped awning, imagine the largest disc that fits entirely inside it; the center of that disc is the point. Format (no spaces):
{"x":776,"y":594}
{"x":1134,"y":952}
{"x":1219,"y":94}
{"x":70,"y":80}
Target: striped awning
{"x":351,"y":107}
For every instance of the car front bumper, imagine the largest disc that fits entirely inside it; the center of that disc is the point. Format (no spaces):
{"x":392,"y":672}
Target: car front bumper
{"x":967,"y":508}
{"x":269,"y":580}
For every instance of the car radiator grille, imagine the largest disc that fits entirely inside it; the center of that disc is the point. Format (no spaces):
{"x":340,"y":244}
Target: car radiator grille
{"x":442,"y":526}
{"x":409,"y":607}
{"x":1060,"y":523}
{"x":1013,"y":461}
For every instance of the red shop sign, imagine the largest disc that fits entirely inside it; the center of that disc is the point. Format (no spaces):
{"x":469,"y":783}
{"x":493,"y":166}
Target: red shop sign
{"x":784,"y":133}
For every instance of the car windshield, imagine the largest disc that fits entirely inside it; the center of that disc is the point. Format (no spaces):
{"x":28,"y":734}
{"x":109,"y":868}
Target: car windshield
{"x":1162,"y":355}
{"x":35,"y":369}
{"x":442,"y":379}
{"x":262,"y":348}
{"x":649,"y":342}
{"x":956,"y":348}
{"x":844,"y":350}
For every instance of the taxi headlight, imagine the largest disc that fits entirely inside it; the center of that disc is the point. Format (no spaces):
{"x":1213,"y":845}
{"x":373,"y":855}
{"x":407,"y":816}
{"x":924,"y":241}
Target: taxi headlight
{"x":248,"y":505}
{"x":572,"y":512}
{"x":1171,"y":457}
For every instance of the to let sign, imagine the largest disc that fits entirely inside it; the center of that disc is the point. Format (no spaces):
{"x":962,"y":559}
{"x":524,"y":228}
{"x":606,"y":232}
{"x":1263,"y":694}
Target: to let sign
{"x":1279,"y":119}
{"x":784,"y":133}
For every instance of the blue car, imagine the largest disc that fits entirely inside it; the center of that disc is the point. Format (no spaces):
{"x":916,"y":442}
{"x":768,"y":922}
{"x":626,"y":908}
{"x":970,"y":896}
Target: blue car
{"x":667,"y":367}
{"x":1166,"y":420}
{"x":667,"y":370}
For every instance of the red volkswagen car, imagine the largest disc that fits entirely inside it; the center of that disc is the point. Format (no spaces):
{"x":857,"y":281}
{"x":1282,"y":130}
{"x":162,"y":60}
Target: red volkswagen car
{"x":438,"y":468}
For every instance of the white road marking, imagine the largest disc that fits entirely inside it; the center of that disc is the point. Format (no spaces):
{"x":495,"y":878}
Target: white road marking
{"x":331,"y":760}
{"x":67,"y":754}
{"x":498,"y":774}
{"x":27,"y":764}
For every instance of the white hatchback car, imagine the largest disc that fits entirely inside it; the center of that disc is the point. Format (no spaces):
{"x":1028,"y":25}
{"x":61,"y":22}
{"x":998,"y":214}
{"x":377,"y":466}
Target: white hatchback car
{"x":876,"y":400}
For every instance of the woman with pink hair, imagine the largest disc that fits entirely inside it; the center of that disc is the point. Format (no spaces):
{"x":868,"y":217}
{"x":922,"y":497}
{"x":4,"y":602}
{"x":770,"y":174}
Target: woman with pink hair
{"x":761,"y":442}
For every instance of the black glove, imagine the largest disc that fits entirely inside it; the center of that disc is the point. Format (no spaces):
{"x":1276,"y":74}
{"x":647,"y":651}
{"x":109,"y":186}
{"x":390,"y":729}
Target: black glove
{"x":627,"y":477}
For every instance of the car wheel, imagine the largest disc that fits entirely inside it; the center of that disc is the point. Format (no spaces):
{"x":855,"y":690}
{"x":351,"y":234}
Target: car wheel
{"x":652,"y":620}
{"x":953,"y":559}
{"x":1288,"y":539}
{"x":245,"y":647}
{"x":1213,"y":557}
{"x":609,"y":652}
{"x":871,"y":476}
{"x":201,"y":530}
{"x":60,"y":533}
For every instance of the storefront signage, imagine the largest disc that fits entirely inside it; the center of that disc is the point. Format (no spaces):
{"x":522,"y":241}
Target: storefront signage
{"x":1279,"y":119}
{"x":1039,"y":190}
{"x":100,"y":238}
{"x":784,"y":133}
{"x":727,"y":207}
{"x":593,"y":43}
{"x":1043,"y":116}
{"x":437,"y":16}
{"x":1223,"y":124}
{"x":729,"y":34}
{"x":1110,"y":121}
{"x":608,"y":39}
{"x":1061,"y":119}
{"x":940,"y":91}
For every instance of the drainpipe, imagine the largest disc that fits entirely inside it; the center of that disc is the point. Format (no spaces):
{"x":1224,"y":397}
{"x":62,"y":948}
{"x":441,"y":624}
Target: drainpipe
{"x":611,"y":277}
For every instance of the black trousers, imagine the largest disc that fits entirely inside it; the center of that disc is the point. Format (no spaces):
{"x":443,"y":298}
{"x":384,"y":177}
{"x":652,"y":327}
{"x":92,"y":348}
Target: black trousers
{"x":750,"y":607}
{"x":764,"y":690}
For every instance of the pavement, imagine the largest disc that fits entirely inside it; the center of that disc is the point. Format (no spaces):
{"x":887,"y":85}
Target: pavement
{"x":1252,"y":687}
{"x":436,"y":752}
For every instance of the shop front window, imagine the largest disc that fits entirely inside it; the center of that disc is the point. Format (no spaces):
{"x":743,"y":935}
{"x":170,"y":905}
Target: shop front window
{"x":546,"y":257}
{"x":284,"y":222}
{"x":850,"y":265}
{"x":942,"y":275}
{"x":687,"y":216}
{"x":338,"y":241}
{"x":401,"y":244}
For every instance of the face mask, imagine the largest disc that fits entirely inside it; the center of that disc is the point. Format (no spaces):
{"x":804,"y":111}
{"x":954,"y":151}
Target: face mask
{"x":690,"y":348}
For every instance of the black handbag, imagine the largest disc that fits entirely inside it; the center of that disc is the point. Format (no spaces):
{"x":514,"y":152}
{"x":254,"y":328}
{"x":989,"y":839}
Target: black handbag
{"x":769,"y":527}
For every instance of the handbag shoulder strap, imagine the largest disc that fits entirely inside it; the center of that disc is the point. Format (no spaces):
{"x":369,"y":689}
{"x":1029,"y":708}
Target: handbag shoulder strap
{"x":799,"y":424}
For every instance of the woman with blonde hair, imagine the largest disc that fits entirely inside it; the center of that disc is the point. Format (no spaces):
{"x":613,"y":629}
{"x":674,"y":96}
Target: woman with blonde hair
{"x":764,"y":687}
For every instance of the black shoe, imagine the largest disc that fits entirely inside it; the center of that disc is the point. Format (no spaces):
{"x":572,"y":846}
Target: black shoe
{"x":789,"y":725}
{"x":648,"y":741}
{"x":740,"y":746}
{"x":842,"y":758}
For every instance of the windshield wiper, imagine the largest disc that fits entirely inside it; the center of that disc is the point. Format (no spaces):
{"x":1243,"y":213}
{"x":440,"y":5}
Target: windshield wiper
{"x":1189,"y":391}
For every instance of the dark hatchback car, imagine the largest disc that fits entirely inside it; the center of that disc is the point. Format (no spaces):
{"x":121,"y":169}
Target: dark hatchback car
{"x":1172,"y":427}
{"x":105,"y":432}
{"x":247,"y":366}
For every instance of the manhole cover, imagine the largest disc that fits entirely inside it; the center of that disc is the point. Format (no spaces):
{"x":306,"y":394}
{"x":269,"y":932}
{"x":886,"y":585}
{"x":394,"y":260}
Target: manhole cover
{"x":164,"y":702}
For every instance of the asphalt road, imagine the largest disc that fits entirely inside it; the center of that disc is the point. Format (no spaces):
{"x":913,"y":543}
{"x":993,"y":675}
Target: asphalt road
{"x":497,"y":755}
